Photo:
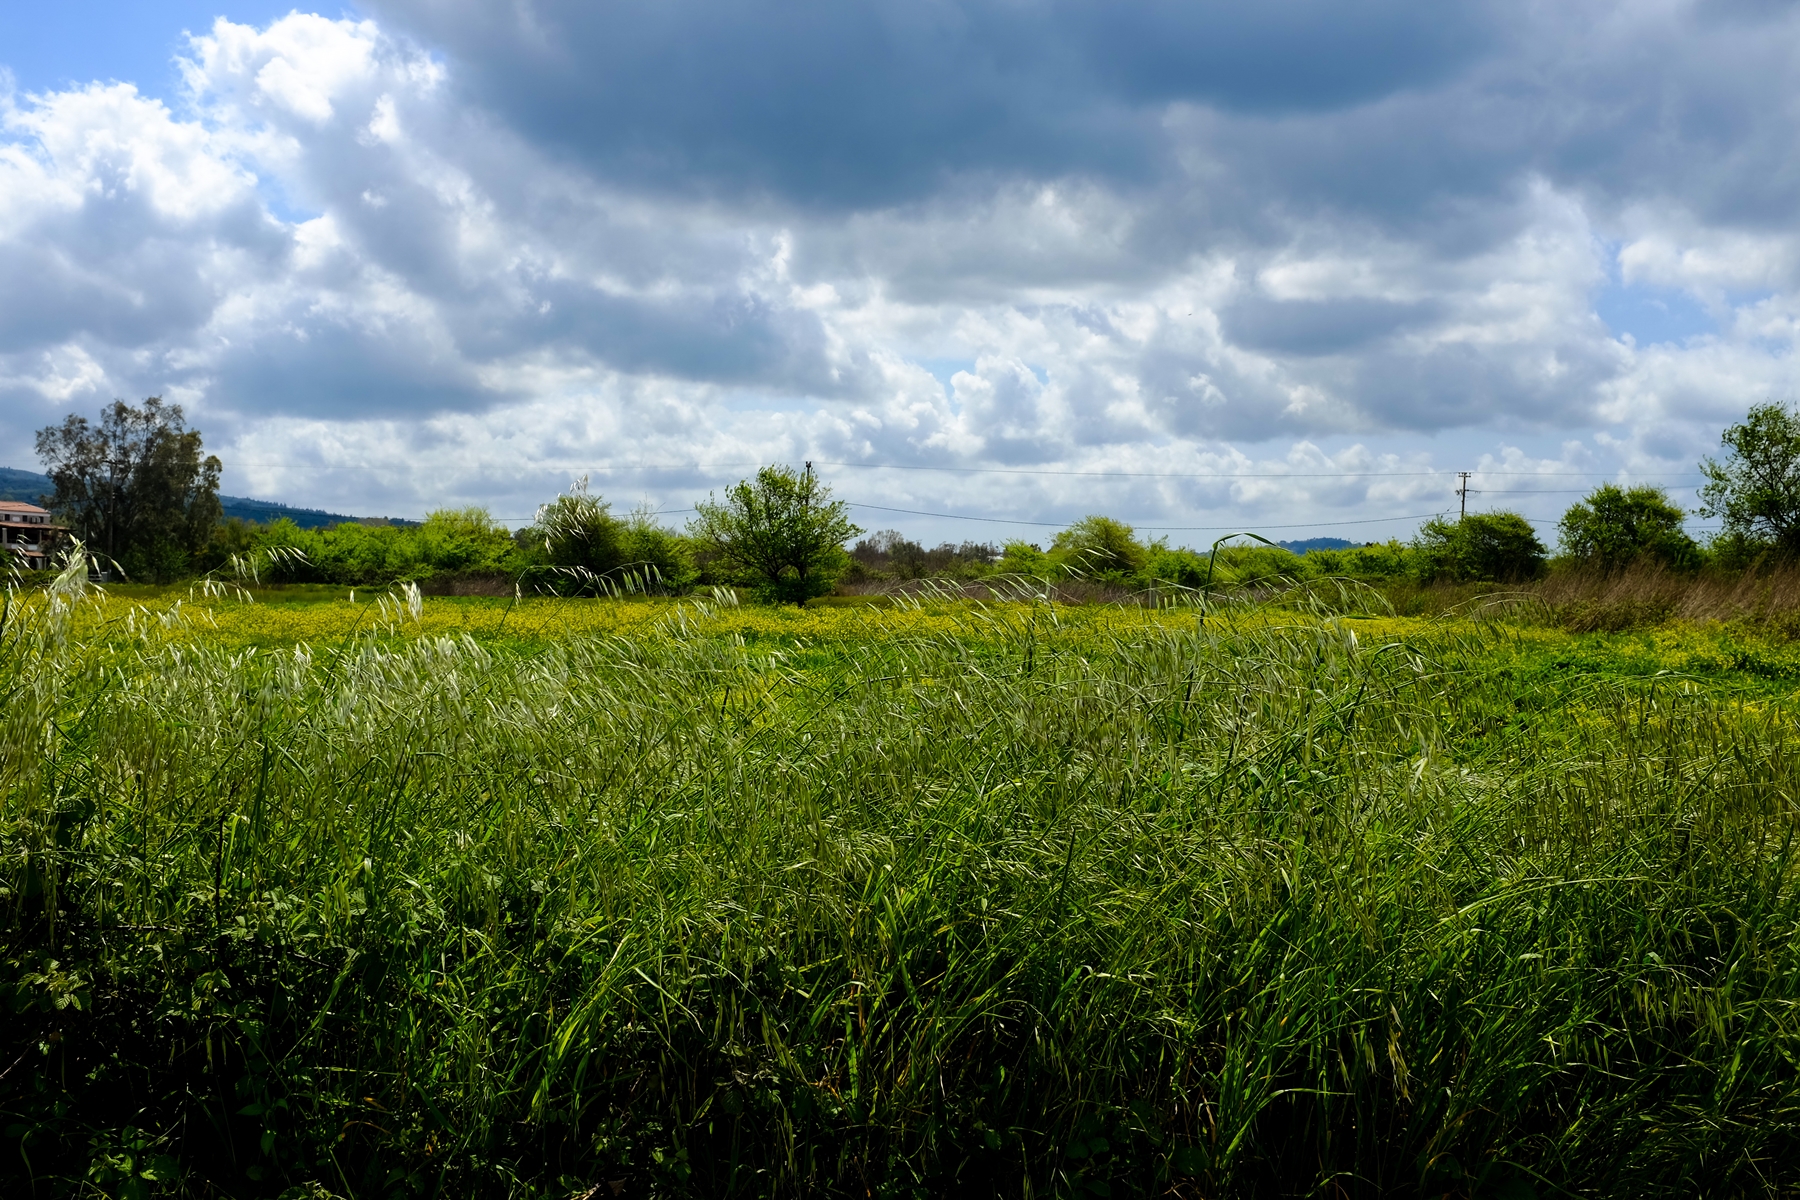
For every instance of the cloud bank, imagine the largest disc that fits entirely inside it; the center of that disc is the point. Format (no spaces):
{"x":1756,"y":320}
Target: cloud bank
{"x":1269,"y":264}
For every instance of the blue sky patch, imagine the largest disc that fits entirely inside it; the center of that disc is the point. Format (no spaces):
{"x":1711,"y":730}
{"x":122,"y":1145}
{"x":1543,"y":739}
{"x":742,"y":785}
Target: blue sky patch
{"x":1653,"y":315}
{"x":53,"y":46}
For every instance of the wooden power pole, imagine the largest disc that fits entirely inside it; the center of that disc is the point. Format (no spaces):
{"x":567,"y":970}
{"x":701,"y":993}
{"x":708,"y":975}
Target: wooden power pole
{"x":1462,"y":490}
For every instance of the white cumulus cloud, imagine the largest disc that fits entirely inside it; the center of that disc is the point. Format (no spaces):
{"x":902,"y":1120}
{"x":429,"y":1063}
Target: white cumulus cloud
{"x":394,"y":262}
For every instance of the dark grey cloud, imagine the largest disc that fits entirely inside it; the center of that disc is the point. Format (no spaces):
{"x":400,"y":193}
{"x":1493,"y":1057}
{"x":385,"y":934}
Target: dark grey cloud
{"x":869,"y":103}
{"x":733,"y":340}
{"x":1393,"y":108}
{"x":660,"y":225}
{"x":326,"y":368}
{"x":1314,"y":327}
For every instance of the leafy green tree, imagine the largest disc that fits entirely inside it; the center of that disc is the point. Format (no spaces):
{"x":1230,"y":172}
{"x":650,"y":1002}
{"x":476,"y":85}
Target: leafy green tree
{"x":1181,"y":566}
{"x":659,"y":555}
{"x":578,"y":532}
{"x":1757,"y":488}
{"x":1376,"y":560}
{"x":135,"y":487}
{"x":1496,"y":546}
{"x":1246,"y":565}
{"x":781,"y":532}
{"x":1097,"y":547}
{"x":1615,"y":527}
{"x":1024,"y":558}
{"x":902,"y":557}
{"x":460,"y":541}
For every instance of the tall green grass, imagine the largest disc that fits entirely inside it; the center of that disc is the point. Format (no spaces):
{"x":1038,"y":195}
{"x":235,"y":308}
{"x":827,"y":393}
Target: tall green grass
{"x":1229,"y":909}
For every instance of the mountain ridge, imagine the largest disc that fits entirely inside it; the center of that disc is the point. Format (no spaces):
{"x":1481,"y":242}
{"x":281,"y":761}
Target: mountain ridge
{"x":31,"y":486}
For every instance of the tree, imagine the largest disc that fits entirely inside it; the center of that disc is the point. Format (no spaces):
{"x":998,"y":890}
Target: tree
{"x":658,"y":555}
{"x":1496,"y":546}
{"x":578,"y":532}
{"x":1757,"y":488}
{"x":889,"y":548}
{"x":135,"y":487}
{"x":1024,"y":558}
{"x":1099,"y":547}
{"x":1615,"y":527}
{"x":780,"y":531}
{"x":461,"y":540}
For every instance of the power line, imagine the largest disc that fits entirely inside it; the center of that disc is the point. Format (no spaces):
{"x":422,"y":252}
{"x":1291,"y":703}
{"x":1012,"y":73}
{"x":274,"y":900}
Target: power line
{"x":1680,"y":487}
{"x":1215,"y":474}
{"x":1150,"y":528}
{"x":1043,"y":471}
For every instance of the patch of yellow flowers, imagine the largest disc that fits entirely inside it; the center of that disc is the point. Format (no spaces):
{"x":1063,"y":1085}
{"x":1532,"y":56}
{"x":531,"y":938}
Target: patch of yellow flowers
{"x":236,"y":621}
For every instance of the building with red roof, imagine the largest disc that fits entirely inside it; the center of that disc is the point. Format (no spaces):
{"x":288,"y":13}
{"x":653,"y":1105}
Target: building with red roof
{"x":28,"y":535}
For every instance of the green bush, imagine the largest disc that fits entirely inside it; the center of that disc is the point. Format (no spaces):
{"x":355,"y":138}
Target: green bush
{"x":1496,"y":547}
{"x":577,"y":537}
{"x":1615,"y":527}
{"x":1025,"y":558}
{"x":450,"y":541}
{"x":463,"y":541}
{"x":580,"y":547}
{"x":1100,"y":548}
{"x":660,"y":557}
{"x":1254,"y":564}
{"x":1391,"y":559}
{"x":1181,"y":566}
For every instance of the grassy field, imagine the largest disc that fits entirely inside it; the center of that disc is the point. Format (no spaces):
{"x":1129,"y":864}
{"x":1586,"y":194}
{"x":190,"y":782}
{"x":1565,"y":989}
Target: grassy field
{"x":465,"y":897}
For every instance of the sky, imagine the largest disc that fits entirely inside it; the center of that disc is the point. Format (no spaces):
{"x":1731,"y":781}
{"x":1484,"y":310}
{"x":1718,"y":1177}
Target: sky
{"x":990,"y":265}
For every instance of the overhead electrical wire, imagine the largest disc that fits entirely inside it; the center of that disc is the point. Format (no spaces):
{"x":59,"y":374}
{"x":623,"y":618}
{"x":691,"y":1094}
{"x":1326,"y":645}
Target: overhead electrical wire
{"x":1044,"y":471}
{"x":1148,"y":528}
{"x":1055,"y":473}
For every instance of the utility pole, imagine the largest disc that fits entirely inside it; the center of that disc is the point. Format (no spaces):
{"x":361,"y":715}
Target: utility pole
{"x":112,"y":505}
{"x":806,"y":533}
{"x":1463,"y":489}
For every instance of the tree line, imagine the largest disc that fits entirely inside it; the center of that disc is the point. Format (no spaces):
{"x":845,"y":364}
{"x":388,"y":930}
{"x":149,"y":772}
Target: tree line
{"x":137,"y":488}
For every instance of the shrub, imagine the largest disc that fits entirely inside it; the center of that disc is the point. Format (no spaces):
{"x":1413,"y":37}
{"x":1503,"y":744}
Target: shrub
{"x":1256,"y":564}
{"x":891,"y":555}
{"x":1176,"y":565}
{"x":1391,"y":559}
{"x":1097,"y":547}
{"x":1615,"y":527}
{"x":344,"y":554}
{"x":462,"y":541}
{"x":1481,"y":547}
{"x":1025,"y":558}
{"x":578,"y":535}
{"x":661,"y":556}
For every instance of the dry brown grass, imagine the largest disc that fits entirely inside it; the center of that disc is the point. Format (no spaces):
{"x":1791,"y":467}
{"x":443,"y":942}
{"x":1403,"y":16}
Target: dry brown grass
{"x":467,"y":584}
{"x":1592,"y":601}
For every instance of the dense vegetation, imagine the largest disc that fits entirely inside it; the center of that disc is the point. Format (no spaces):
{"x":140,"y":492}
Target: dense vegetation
{"x":1233,"y":901}
{"x":135,"y":489}
{"x":1250,"y":887}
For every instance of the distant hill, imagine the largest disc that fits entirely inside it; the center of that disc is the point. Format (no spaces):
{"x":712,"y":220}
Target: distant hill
{"x":264,"y":511}
{"x":23,"y":485}
{"x":30,"y":487}
{"x":1320,"y":543}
